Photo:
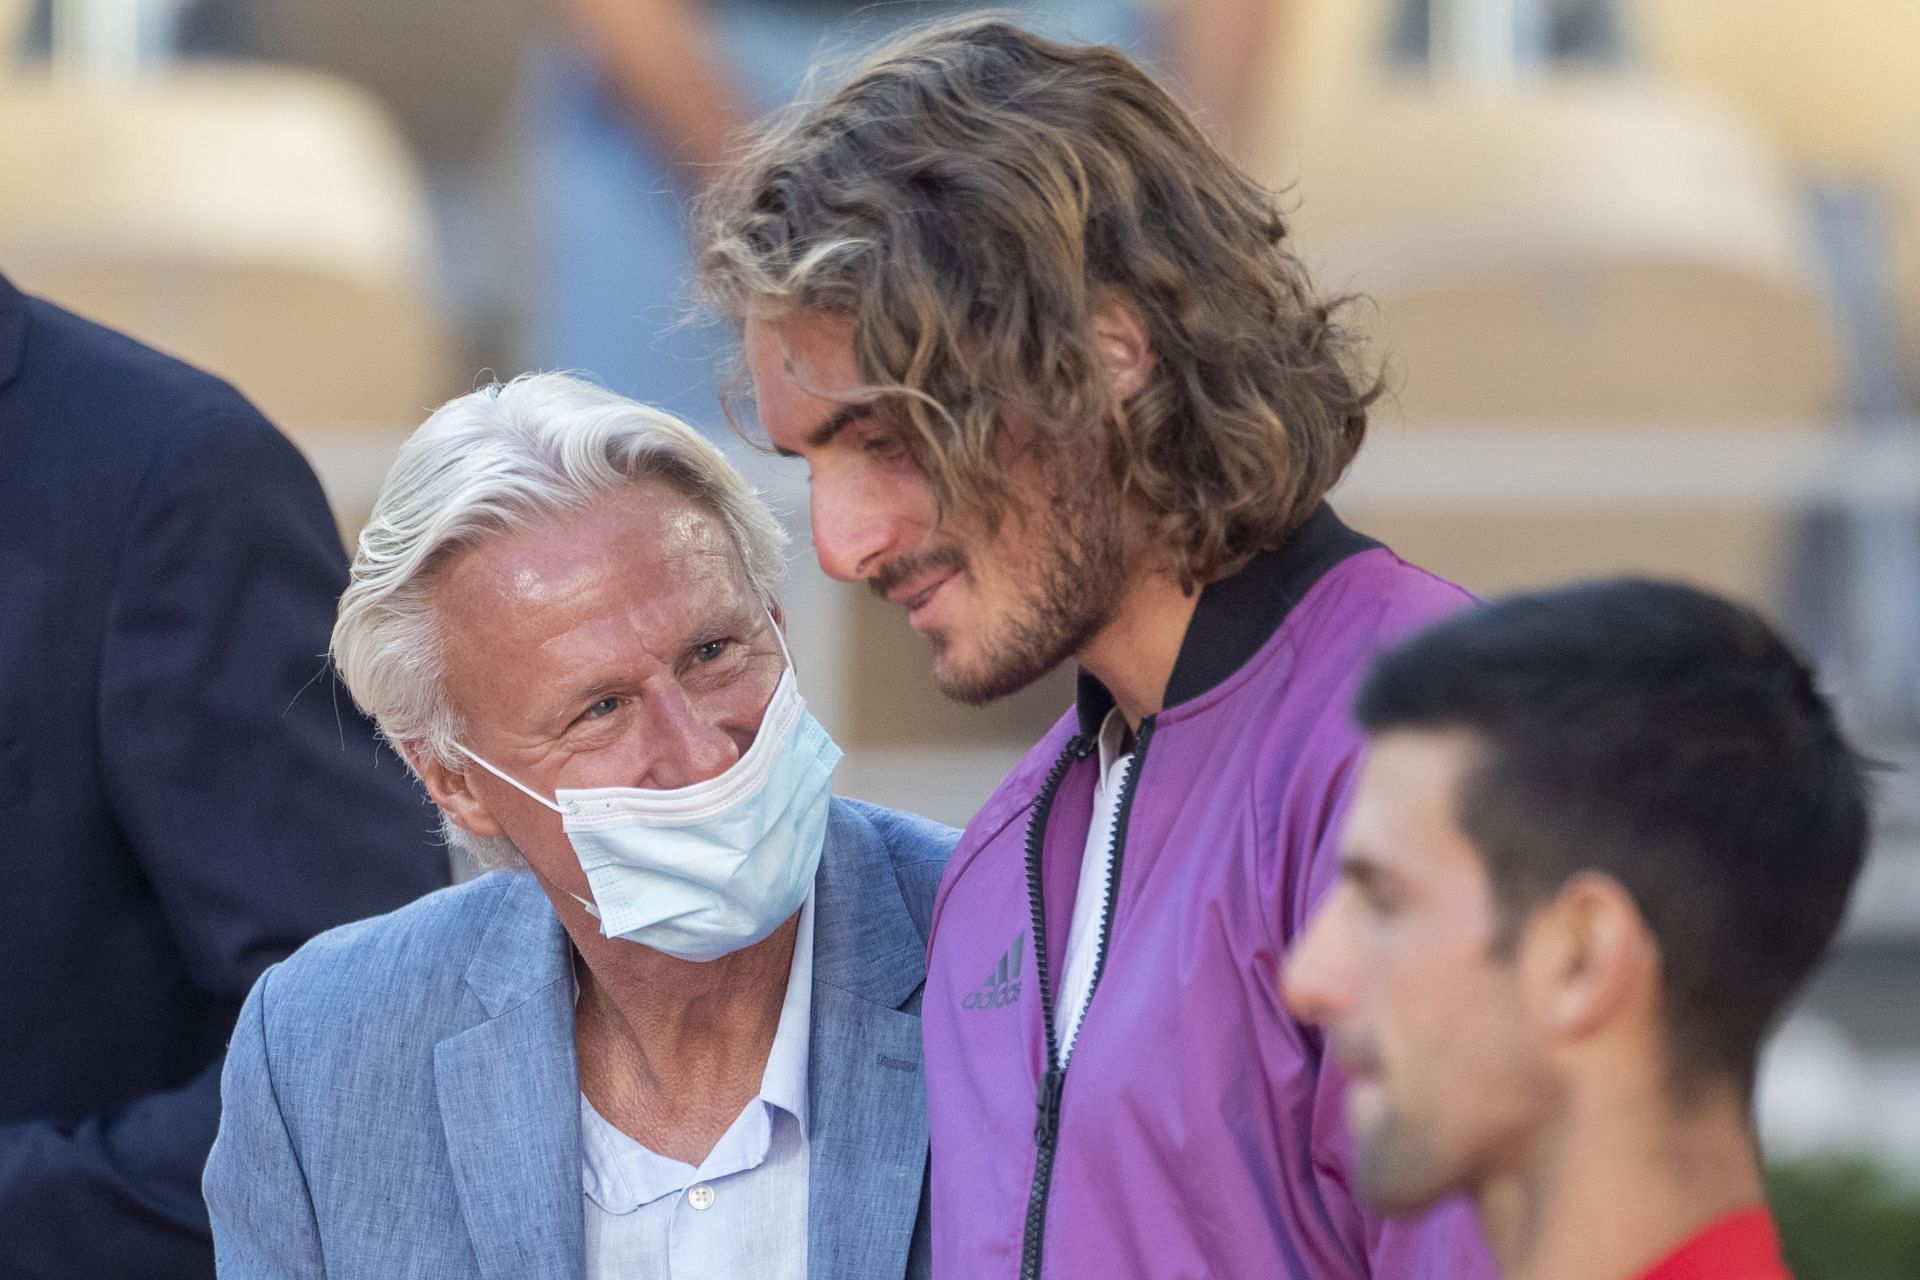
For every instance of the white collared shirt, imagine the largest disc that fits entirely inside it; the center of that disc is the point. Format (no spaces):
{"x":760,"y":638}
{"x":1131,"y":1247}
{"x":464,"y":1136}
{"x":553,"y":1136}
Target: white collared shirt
{"x":742,"y":1214}
{"x":1090,"y":899}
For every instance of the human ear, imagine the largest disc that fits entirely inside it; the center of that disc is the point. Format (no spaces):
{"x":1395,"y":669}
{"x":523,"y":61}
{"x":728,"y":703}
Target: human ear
{"x":451,"y":790}
{"x":1589,"y":957}
{"x":1120,"y":340}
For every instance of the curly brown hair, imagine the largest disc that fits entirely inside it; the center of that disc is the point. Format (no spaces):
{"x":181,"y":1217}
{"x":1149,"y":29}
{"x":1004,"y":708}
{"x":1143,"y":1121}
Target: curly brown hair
{"x":968,"y":199}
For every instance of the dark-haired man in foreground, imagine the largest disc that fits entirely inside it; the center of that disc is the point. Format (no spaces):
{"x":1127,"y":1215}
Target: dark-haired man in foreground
{"x":1602,"y":835}
{"x":1066,"y":395}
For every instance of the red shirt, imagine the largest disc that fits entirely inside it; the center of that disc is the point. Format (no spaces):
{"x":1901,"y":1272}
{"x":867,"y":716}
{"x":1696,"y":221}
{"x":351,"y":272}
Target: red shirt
{"x":1741,"y":1246}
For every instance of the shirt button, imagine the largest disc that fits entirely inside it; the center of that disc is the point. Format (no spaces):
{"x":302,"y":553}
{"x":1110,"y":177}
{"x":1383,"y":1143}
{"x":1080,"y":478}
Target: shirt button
{"x":700,"y":1197}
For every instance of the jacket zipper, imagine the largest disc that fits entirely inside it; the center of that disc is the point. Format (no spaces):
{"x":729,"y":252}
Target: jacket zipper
{"x":1053,"y":1081}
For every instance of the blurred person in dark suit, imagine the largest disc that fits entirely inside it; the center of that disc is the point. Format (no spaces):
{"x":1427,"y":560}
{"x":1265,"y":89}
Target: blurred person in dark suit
{"x":185,"y":793}
{"x":1603,"y":834}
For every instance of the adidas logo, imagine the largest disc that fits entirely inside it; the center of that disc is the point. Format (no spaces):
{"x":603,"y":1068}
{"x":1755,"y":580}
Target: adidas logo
{"x":1002,"y":986}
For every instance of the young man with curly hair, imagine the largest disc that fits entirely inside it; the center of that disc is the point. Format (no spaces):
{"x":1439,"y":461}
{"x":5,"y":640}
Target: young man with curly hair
{"x":1066,"y":395}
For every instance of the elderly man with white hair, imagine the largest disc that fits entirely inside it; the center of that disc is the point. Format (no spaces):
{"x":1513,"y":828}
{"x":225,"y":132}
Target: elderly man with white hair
{"x":677,"y":1033}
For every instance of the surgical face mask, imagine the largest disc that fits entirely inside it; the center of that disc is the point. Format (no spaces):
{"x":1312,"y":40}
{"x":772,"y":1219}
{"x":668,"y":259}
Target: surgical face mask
{"x":703,"y":870}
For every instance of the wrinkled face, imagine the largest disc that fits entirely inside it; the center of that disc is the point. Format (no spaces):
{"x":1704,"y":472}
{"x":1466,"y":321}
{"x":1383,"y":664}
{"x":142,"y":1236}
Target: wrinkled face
{"x":618,"y":646}
{"x":1447,"y":1084}
{"x":1001,"y":607}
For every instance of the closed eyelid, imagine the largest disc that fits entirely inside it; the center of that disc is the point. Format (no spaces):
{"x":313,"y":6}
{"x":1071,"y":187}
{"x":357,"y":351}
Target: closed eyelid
{"x":1368,"y":877}
{"x":883,"y":440}
{"x":821,"y":436}
{"x":1356,"y":870}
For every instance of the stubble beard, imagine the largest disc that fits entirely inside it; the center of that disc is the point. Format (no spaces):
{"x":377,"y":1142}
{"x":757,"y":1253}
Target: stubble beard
{"x":1078,"y":573}
{"x":1397,"y":1166}
{"x":1394,"y":1160}
{"x":1412,"y":1156}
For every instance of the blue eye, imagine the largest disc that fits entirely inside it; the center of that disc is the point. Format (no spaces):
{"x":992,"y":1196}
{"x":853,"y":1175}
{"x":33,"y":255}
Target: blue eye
{"x":710,"y":650}
{"x":604,"y":707}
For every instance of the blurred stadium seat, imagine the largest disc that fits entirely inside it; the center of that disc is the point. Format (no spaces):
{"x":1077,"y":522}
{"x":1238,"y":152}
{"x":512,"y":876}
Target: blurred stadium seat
{"x":263,"y":223}
{"x":1584,"y":256}
{"x":1320,"y":51}
{"x":446,"y":70}
{"x":13,"y":23}
{"x":1836,"y":80}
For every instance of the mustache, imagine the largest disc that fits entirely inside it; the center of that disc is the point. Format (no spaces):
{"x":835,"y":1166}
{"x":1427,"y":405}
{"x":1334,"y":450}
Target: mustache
{"x":905,"y":568}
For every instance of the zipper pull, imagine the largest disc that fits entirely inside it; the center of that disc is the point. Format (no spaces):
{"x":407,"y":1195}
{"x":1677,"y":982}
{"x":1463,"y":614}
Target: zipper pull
{"x":1046,"y":1125}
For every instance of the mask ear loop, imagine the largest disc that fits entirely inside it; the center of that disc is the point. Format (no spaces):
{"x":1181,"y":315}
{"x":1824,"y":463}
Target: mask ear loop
{"x":530,"y":793}
{"x":781,"y":636}
{"x":511,"y":781}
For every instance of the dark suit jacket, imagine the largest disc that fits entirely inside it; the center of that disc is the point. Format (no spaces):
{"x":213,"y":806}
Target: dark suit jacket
{"x":186,"y":795}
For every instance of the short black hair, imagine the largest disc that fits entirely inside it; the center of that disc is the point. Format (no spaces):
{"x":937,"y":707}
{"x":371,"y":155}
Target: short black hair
{"x":1671,"y":740}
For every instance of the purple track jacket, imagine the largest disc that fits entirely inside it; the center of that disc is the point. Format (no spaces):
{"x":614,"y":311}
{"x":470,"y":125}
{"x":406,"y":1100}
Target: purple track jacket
{"x":1197,"y":1130}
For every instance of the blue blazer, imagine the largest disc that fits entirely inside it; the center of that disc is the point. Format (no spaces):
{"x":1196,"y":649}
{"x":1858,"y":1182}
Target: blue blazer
{"x":186,"y":795}
{"x":402,"y":1096}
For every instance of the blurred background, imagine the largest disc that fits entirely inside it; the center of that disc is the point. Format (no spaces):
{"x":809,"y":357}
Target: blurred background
{"x":1643,"y":277}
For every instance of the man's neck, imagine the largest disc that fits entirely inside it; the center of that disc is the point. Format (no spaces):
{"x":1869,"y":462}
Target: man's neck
{"x":1622,"y":1184}
{"x":1134,"y":654}
{"x":671,"y":1050}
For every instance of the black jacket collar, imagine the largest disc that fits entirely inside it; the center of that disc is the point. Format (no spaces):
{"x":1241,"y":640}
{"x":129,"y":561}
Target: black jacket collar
{"x":1239,"y":613}
{"x":13,"y":330}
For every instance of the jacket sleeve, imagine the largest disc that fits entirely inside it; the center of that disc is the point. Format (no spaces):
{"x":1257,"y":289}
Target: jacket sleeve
{"x":1444,"y":1243}
{"x":137,"y":1169}
{"x":258,"y":804}
{"x":264,"y":1226}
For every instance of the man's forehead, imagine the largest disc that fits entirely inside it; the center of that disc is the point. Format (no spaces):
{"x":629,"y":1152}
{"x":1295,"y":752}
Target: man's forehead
{"x":1406,"y":807}
{"x":647,"y":521}
{"x":1421,"y":760}
{"x":803,"y":369}
{"x":655,"y":561}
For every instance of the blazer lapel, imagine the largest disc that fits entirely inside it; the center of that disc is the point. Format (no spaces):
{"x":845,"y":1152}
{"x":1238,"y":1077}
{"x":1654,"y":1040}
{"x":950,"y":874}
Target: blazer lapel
{"x":509,"y":1099}
{"x":867,"y":1095}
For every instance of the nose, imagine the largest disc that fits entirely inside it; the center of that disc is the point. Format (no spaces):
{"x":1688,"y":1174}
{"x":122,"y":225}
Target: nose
{"x":855,"y":528}
{"x":1313,"y":977}
{"x":688,"y":747}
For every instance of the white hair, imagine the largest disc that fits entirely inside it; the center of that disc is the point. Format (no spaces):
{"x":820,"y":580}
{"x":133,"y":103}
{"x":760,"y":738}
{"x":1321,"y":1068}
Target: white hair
{"x":486,"y":464}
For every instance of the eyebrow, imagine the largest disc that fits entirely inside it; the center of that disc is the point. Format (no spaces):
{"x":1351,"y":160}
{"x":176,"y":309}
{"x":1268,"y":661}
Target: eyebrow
{"x":833,"y":426}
